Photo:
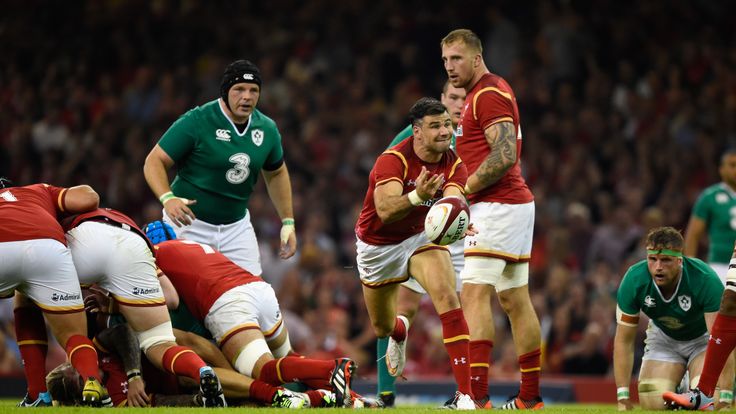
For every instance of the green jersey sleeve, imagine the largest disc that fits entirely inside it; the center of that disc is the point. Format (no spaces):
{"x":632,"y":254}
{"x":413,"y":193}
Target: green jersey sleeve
{"x":404,"y":134}
{"x":626,"y":296}
{"x":712,"y":290}
{"x":277,"y":152}
{"x":181,"y":137}
{"x":701,"y":209}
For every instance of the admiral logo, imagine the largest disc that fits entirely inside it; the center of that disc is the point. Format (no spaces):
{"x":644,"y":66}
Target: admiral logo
{"x":222,"y":135}
{"x":56,"y":297}
{"x":144,"y":291}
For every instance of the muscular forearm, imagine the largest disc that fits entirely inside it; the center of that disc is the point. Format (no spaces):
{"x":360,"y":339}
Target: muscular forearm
{"x":490,"y":171}
{"x":278,"y":185}
{"x":623,"y":361}
{"x":501,"y":138}
{"x":393,"y":208}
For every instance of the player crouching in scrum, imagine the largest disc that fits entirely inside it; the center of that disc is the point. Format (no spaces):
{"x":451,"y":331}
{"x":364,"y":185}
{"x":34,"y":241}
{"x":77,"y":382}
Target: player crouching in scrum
{"x":242,"y":313}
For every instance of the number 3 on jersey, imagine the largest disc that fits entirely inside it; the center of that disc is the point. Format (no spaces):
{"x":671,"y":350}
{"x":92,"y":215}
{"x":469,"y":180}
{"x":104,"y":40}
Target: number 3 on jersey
{"x":240,"y":170}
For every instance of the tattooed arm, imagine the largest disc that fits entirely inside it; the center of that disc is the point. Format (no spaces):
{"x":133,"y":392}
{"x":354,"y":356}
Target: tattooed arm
{"x":501,"y":137}
{"x":121,"y":340}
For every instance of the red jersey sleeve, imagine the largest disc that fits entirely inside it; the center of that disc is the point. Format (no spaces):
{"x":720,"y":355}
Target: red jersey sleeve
{"x":390,"y":166}
{"x":458,"y":175}
{"x":492,"y":105}
{"x":58,"y":194}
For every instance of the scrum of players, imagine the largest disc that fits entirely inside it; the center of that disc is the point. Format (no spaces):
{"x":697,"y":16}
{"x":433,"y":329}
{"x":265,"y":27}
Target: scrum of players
{"x":79,"y":265}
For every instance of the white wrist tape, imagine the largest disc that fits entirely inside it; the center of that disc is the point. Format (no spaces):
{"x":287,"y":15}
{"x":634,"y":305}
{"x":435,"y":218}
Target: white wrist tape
{"x":414,"y":198}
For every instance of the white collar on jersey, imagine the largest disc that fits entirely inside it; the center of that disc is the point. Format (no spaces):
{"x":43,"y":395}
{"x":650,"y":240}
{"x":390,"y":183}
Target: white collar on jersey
{"x":220,"y":104}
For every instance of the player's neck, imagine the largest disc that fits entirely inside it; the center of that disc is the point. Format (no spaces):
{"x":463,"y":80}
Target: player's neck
{"x":236,"y":120}
{"x":426,"y":155}
{"x":482,"y":71}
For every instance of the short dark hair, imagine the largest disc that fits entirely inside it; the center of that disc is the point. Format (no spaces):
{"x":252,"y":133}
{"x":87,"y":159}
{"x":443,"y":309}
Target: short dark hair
{"x":423,"y":107}
{"x":665,"y":238}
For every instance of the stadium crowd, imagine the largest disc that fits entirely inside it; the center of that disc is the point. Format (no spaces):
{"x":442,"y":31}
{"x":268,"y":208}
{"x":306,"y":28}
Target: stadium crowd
{"x":625,"y":112}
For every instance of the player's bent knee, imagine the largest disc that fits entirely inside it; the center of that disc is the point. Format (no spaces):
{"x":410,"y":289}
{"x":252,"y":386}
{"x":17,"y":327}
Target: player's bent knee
{"x":651,"y":390}
{"x":249,"y":355}
{"x":155,"y":336}
{"x":283,"y":350}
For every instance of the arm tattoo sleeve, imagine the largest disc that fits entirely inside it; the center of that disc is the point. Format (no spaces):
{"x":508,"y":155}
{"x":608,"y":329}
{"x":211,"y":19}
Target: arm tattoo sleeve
{"x":121,"y":340}
{"x":501,"y":137}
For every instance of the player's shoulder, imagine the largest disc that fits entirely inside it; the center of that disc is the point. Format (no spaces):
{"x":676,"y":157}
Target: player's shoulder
{"x":697,"y":267}
{"x":262,"y":120}
{"x":401,"y":136}
{"x":490,"y":82}
{"x":712,"y":191}
{"x":637,"y":274}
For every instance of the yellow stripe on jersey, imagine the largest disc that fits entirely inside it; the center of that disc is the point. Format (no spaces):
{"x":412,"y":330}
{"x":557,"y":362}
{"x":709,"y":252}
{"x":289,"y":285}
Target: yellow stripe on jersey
{"x":489,"y":89}
{"x":454,"y":166}
{"x":382,"y":182}
{"x":60,"y":200}
{"x":403,"y":160}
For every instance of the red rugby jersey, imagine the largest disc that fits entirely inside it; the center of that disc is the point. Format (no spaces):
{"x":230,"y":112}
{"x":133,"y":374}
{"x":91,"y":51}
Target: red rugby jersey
{"x":400,"y":163}
{"x":491,"y":101}
{"x":30,"y":212}
{"x":199,"y":273}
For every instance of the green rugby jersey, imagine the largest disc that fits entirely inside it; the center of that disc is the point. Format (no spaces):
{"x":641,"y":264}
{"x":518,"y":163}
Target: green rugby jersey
{"x":681,"y":316}
{"x":716,"y":205}
{"x":216,"y":165}
{"x":407,"y":132}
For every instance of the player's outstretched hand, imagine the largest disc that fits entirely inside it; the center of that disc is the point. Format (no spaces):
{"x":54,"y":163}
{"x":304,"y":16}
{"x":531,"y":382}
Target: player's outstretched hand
{"x":427,"y":185}
{"x":137,"y":396}
{"x":470,"y":231}
{"x":178,"y":210}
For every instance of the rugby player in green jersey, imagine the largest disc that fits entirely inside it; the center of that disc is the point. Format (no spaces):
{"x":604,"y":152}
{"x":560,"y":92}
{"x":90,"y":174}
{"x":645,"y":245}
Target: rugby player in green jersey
{"x":680,"y":296}
{"x":714,"y":213}
{"x":219,"y":149}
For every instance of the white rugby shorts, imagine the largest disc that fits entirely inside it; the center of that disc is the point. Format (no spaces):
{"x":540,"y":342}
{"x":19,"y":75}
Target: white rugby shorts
{"x":660,"y":347}
{"x":498,"y":255}
{"x":118,"y":260}
{"x":43,"y":270}
{"x":388,"y":264}
{"x":250,"y":306}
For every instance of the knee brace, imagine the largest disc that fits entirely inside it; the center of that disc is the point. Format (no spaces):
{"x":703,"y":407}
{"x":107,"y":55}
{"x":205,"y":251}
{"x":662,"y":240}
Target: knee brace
{"x":283,"y":350}
{"x":249,"y":355}
{"x":651,"y":389}
{"x":155,"y":336}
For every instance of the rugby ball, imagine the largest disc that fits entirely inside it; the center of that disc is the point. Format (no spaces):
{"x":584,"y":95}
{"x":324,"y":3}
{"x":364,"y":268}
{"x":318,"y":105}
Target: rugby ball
{"x":447,"y":220}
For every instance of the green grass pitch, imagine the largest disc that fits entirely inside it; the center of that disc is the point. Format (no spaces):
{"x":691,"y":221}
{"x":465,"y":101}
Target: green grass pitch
{"x":8,"y":406}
